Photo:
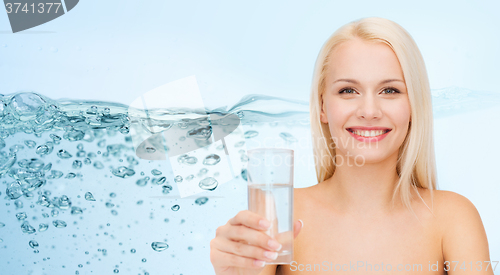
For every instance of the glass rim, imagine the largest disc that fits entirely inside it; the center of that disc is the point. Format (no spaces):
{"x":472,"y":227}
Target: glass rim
{"x":269,"y":149}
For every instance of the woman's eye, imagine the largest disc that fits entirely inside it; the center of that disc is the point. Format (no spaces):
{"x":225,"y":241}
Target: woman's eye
{"x":347,"y":91}
{"x":391,"y":91}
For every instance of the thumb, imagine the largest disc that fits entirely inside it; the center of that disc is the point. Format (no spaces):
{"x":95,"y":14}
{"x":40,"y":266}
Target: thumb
{"x":297,"y":226}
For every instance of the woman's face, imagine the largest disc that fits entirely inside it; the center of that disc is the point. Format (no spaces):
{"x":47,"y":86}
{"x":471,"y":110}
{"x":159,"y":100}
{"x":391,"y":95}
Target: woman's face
{"x":365,"y":101}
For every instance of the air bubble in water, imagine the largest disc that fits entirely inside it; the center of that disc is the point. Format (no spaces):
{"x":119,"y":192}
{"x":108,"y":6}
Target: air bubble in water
{"x":201,"y":200}
{"x":202,"y":133}
{"x":77,"y":164}
{"x":30,"y":143}
{"x":43,"y":227}
{"x":175,"y":207}
{"x":142,"y":182}
{"x":33,"y":244}
{"x":187,"y":159}
{"x":27,"y":228}
{"x":239,"y":144}
{"x":208,"y":183}
{"x":178,"y":179}
{"x":211,"y":159}
{"x":158,"y":181}
{"x":89,"y":196}
{"x":159,"y":246}
{"x":166,"y":189}
{"x":287,"y":137}
{"x":150,"y":150}
{"x":98,"y":165}
{"x":59,"y":224}
{"x":64,"y":154}
{"x":156,"y":172}
{"x":251,"y":134}
{"x":123,"y":172}
{"x":14,"y":190}
{"x":21,"y":216}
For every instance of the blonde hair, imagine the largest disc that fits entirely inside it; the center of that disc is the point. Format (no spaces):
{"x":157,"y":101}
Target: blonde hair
{"x":416,"y":161}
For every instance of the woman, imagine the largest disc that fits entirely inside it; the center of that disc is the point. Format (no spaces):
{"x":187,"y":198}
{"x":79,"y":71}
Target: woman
{"x":376,"y":207}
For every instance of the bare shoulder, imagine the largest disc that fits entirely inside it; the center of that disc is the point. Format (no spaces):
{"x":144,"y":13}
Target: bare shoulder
{"x":463,"y":234}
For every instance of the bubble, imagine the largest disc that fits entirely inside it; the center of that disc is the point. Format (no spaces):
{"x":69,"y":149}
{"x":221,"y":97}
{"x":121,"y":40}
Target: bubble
{"x":77,"y":164}
{"x":150,"y":150}
{"x":201,"y":200}
{"x":116,"y":270}
{"x":109,"y":205}
{"x":239,"y":144}
{"x":76,"y":210}
{"x":55,"y":138}
{"x":244,"y":174}
{"x":27,"y":228}
{"x":2,"y":224}
{"x":132,"y":250}
{"x":159,"y":246}
{"x":211,"y":159}
{"x":166,"y":189}
{"x":287,"y":137}
{"x":185,"y":159}
{"x":156,"y":172}
{"x":178,"y":179}
{"x":251,"y":134}
{"x":202,"y":133}
{"x":190,"y":177}
{"x":142,"y":182}
{"x":208,"y":183}
{"x":14,"y":190}
{"x":98,"y":165}
{"x":59,"y":224}
{"x":64,"y":154}
{"x":54,"y":212}
{"x":30,"y":143}
{"x":21,"y":216}
{"x":33,"y":244}
{"x":144,"y":260}
{"x":175,"y":207}
{"x":43,"y":227}
{"x":123,"y":172}
{"x":89,"y":196}
{"x":114,"y":212}
{"x":112,"y":195}
{"x":158,"y":181}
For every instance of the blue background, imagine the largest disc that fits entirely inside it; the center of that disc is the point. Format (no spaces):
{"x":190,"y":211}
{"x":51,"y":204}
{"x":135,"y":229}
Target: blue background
{"x":118,"y":50}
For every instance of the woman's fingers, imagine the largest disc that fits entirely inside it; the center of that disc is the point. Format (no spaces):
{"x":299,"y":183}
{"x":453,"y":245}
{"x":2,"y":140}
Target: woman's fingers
{"x":244,"y":250}
{"x":252,"y":237}
{"x":221,"y":258}
{"x":297,"y":226}
{"x":250,"y":219}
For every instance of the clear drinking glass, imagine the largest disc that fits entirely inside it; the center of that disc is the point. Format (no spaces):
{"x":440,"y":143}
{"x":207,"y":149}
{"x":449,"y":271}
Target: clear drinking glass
{"x":270,"y":194}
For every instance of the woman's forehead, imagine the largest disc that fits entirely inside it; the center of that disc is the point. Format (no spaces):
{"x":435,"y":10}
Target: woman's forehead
{"x":364,"y":61}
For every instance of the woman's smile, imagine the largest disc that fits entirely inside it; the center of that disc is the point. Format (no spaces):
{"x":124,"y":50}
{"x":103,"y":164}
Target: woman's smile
{"x":368,"y":134}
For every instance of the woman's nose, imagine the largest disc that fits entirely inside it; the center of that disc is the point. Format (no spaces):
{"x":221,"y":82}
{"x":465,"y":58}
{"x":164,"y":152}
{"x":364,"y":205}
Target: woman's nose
{"x":369,"y":108}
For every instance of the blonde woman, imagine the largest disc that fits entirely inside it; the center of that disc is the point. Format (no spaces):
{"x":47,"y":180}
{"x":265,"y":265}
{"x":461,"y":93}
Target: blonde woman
{"x":375,"y":209}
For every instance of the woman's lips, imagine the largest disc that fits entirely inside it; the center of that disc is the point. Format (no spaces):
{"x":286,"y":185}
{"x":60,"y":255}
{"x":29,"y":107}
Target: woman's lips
{"x":369,"y":139}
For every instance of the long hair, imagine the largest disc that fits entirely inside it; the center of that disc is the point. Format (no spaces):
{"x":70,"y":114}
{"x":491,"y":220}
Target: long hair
{"x":416,"y":161}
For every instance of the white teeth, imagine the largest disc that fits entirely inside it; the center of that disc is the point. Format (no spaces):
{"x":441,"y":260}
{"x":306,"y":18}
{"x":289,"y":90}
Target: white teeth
{"x":369,"y":133}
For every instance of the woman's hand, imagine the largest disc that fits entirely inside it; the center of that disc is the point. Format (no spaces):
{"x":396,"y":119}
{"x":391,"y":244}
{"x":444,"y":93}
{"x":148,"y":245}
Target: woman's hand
{"x":241,"y":246}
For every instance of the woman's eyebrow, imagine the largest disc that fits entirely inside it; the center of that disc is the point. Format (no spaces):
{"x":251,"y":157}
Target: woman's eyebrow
{"x":356,"y":82}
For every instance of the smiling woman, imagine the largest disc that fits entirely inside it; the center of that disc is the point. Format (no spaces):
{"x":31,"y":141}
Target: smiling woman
{"x":376,"y":206}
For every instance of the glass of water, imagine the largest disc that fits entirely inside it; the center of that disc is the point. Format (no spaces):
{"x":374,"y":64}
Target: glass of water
{"x":270,"y":194}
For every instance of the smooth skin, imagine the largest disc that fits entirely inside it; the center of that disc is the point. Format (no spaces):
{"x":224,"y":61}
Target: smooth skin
{"x":350,"y":226}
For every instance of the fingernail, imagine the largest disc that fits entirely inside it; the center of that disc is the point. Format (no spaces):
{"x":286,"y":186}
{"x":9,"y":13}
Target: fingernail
{"x":274,"y":245}
{"x":264,"y":224}
{"x":259,"y":263}
{"x":271,"y":255}
{"x":301,"y":222}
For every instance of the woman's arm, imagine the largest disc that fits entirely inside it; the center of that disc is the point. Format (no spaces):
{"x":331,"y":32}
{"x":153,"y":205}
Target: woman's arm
{"x":464,"y":242}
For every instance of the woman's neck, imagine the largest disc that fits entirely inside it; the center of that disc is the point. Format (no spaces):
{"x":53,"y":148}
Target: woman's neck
{"x":365,"y":189}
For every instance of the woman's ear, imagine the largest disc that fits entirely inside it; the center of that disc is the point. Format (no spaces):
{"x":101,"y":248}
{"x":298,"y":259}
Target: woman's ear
{"x":322,"y":114}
